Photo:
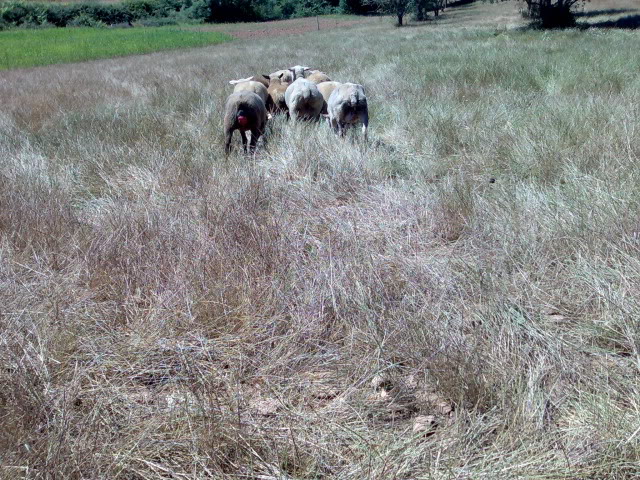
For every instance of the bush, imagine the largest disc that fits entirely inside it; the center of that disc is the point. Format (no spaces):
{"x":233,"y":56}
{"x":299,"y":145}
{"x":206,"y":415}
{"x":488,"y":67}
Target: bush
{"x":225,"y":11}
{"x":356,"y":7}
{"x":307,"y":8}
{"x":198,"y":10}
{"x":556,"y":16}
{"x":552,"y":13}
{"x":85,"y":20}
{"x":60,"y":15}
{"x":15,"y":14}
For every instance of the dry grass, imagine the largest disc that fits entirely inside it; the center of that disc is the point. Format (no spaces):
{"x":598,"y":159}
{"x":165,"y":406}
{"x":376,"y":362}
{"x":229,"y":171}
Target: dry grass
{"x":293,"y":26}
{"x":167,"y":313}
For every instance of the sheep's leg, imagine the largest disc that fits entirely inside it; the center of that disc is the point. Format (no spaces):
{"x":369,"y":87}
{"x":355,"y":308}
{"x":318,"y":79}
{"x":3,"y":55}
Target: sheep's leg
{"x":364,"y":118}
{"x":333,"y":122}
{"x":227,"y":143}
{"x":255,"y":135}
{"x":244,"y":140}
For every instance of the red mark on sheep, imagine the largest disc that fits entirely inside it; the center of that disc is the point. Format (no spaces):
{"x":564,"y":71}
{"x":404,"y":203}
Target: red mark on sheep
{"x":243,"y":121}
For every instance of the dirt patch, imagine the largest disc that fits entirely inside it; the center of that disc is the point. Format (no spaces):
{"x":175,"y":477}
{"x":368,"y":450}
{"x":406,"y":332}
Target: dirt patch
{"x":279,"y":28}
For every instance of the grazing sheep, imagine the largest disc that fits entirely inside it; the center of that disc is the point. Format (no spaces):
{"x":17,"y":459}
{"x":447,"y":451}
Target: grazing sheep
{"x":254,"y":78}
{"x":244,"y":111}
{"x":318,"y":77}
{"x":277,"y":89}
{"x":304,"y":100}
{"x":255,"y":87}
{"x":284,"y":75}
{"x":299,"y":72}
{"x":326,"y":89}
{"x":347,"y":106}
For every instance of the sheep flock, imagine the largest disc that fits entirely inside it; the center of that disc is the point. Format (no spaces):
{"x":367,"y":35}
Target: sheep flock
{"x":298,"y":92}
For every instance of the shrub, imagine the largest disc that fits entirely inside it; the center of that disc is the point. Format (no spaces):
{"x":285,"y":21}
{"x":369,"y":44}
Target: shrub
{"x":198,"y":10}
{"x":307,"y":8}
{"x":85,"y":20}
{"x":225,"y":11}
{"x":552,"y":13}
{"x":356,"y":7}
{"x":558,"y":15}
{"x":60,"y":15}
{"x":15,"y":13}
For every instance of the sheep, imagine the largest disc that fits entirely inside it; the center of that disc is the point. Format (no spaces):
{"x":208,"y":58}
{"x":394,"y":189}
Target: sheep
{"x":292,"y":74}
{"x":304,"y":100}
{"x":326,"y":88}
{"x":254,"y":78}
{"x":318,"y":77}
{"x":255,"y":87}
{"x":346,"y":106}
{"x":276,"y":90}
{"x":283,"y":75}
{"x":299,"y":72}
{"x":244,"y":111}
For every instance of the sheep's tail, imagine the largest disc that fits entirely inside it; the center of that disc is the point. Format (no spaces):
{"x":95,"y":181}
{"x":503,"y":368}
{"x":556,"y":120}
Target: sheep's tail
{"x":306,"y":94}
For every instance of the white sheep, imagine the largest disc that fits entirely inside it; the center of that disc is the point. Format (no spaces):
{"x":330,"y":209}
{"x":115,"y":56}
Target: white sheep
{"x":284,"y":76}
{"x":318,"y":77}
{"x":326,"y":89}
{"x":255,"y":78}
{"x":277,"y":89}
{"x":347,"y":106}
{"x":304,"y":100}
{"x":299,"y":72}
{"x":255,"y":87}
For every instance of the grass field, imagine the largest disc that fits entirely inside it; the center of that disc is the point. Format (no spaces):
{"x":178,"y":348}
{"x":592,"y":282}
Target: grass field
{"x":29,"y":48}
{"x":456,"y":299}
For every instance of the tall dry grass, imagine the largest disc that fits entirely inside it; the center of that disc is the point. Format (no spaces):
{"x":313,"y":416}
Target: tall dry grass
{"x":169,"y":313}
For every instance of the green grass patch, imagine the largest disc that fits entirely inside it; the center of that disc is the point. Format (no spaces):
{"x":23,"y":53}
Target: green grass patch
{"x":30,"y":48}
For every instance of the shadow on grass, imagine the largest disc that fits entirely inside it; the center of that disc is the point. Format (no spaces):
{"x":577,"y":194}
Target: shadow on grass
{"x":459,"y":3}
{"x":416,"y":23}
{"x":608,"y":11}
{"x":630,"y":22}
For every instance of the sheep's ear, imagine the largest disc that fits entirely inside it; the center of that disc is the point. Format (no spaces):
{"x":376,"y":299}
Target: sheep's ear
{"x":266,"y":76}
{"x":281,"y":75}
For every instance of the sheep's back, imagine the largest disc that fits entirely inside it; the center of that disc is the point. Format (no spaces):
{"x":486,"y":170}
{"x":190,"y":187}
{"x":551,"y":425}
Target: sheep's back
{"x":255,"y":87}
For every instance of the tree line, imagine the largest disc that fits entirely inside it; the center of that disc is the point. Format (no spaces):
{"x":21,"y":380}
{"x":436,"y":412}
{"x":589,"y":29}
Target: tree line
{"x":166,"y":12}
{"x":17,"y":13}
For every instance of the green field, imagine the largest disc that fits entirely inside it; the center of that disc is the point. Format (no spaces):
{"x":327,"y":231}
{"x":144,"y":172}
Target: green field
{"x":30,"y":48}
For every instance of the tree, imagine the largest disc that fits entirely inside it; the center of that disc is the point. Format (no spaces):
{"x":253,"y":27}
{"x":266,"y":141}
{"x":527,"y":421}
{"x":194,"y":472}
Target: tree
{"x":232,"y":11}
{"x":552,"y":13}
{"x":422,"y":7}
{"x":357,"y":7}
{"x":399,"y":8}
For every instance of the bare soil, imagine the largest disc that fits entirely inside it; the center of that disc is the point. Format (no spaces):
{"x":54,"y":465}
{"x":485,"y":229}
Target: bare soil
{"x":295,"y":26}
